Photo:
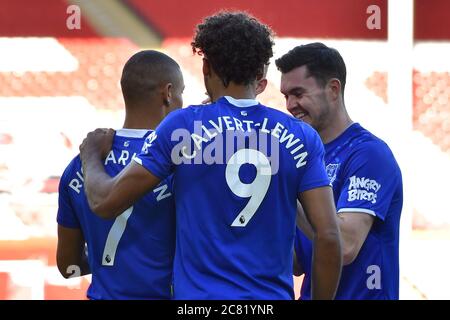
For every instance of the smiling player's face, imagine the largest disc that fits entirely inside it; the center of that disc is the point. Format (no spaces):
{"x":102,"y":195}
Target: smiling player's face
{"x":305,"y":97}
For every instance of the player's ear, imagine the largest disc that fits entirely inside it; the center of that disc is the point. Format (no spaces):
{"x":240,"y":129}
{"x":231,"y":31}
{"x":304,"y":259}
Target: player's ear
{"x":334,"y":86}
{"x":260,"y":75}
{"x":261,"y":86}
{"x":206,"y":67}
{"x":167,"y":94}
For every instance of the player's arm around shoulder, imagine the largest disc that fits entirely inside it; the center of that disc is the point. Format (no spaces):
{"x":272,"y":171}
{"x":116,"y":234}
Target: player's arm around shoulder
{"x":109,"y":197}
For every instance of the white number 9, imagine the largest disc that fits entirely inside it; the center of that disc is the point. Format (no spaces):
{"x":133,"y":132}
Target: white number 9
{"x":255,"y":190}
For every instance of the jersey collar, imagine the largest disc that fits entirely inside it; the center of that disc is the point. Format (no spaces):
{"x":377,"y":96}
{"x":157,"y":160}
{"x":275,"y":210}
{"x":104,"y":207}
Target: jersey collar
{"x":343,"y":136}
{"x":131,"y":133}
{"x":241,"y":103}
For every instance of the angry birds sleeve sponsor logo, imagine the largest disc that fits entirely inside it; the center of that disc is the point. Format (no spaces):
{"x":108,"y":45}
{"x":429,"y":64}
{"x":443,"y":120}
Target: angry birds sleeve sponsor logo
{"x":362,"y":188}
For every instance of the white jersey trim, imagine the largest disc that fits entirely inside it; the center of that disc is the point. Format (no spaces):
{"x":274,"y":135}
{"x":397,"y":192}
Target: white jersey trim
{"x":371,"y":212}
{"x":241,"y":103}
{"x":131,"y":133}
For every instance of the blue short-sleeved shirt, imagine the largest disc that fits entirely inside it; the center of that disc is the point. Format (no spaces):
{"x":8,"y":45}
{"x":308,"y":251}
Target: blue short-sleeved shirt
{"x":130,"y":257}
{"x":366,"y":179}
{"x":238,"y":167}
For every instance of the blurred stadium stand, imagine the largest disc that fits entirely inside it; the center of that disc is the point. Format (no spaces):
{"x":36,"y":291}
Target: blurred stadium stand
{"x":56,"y":84}
{"x":99,"y":63}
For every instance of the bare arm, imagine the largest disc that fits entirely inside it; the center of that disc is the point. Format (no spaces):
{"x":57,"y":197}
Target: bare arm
{"x":354,"y":228}
{"x":303,"y":223}
{"x":70,"y":254}
{"x":327,"y":260}
{"x":109,"y":197}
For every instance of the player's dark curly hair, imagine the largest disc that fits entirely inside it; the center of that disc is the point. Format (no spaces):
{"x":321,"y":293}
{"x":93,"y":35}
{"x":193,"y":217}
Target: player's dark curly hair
{"x":236,"y":45}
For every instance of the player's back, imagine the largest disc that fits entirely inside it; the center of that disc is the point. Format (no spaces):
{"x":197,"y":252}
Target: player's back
{"x":242,"y":167}
{"x":131,"y":257}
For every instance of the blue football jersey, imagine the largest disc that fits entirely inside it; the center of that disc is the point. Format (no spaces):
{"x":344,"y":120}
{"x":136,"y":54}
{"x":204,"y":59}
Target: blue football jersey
{"x":131,"y":257}
{"x":367,"y":179}
{"x":238,"y":167}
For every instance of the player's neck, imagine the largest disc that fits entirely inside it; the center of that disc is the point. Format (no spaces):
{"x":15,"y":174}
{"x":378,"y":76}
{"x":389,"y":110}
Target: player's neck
{"x":137,"y":116}
{"x":235,"y":91}
{"x":140,"y":123}
{"x":337,"y":125}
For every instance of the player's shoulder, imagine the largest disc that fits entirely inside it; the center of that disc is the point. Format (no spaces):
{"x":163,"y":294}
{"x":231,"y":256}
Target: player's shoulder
{"x":127,"y":134}
{"x":277,"y":113}
{"x":185,"y":116}
{"x":368,"y":142}
{"x":130,"y":139}
{"x":194,"y":109}
{"x":71,"y":169}
{"x":371,"y":147}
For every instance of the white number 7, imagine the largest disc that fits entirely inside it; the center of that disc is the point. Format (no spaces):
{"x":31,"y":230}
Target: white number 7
{"x":256,"y":190}
{"x":114,"y":236}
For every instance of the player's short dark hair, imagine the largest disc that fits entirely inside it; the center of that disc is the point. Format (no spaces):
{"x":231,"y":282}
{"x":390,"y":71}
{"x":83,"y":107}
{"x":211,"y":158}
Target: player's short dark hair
{"x":323,"y":63}
{"x":144,"y":72}
{"x":236,"y":45}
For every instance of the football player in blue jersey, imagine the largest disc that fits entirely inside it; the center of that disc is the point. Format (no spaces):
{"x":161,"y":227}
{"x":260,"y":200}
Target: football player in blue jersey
{"x":130,"y":257}
{"x":239,"y":168}
{"x":366,"y":179}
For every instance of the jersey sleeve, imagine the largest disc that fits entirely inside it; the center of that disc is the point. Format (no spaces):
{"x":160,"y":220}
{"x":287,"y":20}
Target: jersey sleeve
{"x":66,"y":215}
{"x":314,"y":175}
{"x":370,"y":179}
{"x":156,"y":153}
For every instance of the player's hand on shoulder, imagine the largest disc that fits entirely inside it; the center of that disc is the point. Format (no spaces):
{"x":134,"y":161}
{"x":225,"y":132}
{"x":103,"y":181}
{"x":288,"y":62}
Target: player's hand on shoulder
{"x":98,"y":143}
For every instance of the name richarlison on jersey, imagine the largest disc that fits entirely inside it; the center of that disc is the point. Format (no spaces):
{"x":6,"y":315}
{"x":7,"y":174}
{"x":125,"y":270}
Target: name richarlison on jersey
{"x":235,"y":129}
{"x":122,"y":158}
